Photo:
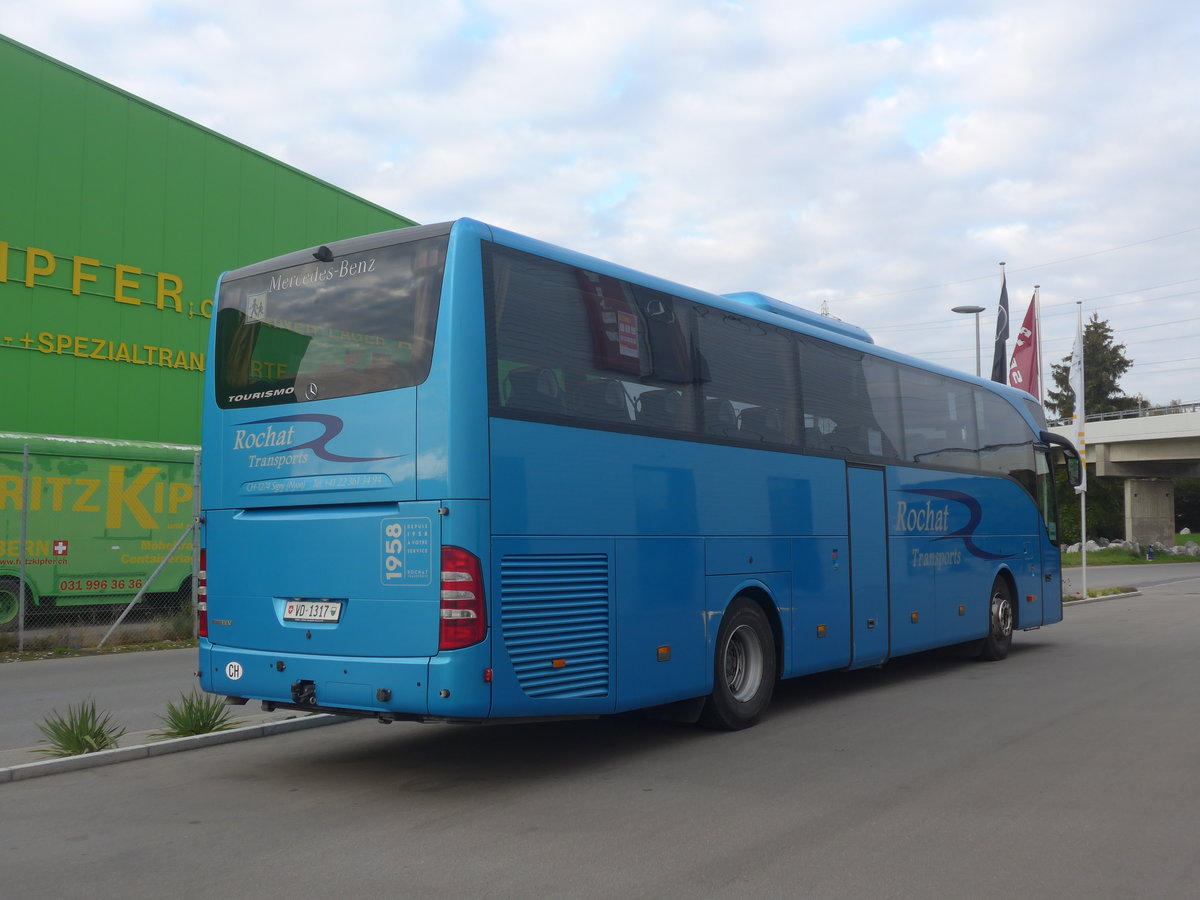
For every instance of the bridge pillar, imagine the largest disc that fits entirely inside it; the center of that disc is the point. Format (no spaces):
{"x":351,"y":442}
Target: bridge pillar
{"x":1150,"y":511}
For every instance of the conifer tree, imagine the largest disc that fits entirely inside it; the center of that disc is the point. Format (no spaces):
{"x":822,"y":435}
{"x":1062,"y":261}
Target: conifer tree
{"x":1104,"y":362}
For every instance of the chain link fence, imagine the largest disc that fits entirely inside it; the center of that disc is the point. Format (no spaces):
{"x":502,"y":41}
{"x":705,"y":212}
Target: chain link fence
{"x":164,"y":612}
{"x":96,"y":543}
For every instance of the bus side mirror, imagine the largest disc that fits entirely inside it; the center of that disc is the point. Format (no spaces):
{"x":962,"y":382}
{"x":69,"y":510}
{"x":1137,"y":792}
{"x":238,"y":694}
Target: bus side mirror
{"x":1074,"y":463}
{"x":1074,"y":470}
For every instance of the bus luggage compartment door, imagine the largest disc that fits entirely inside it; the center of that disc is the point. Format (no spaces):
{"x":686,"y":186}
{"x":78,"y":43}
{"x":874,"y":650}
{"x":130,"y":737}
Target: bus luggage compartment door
{"x":358,"y":580}
{"x":868,"y":566}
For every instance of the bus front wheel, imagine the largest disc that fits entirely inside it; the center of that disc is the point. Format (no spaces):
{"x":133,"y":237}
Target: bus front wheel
{"x":744,"y":668}
{"x":1000,"y":622}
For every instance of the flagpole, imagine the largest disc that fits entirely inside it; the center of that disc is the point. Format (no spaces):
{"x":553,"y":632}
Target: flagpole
{"x":1081,"y":443}
{"x":1037,"y":318}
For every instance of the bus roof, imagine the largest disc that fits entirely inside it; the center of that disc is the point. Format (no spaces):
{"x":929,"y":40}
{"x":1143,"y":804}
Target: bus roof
{"x":807,"y":316}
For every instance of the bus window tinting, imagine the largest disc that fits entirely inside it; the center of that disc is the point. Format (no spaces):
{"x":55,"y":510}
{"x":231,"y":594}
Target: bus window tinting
{"x":361,"y":323}
{"x":574,"y":347}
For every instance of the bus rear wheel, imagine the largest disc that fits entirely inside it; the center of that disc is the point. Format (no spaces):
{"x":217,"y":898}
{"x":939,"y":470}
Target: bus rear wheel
{"x":744,"y":668}
{"x":1000,"y":622}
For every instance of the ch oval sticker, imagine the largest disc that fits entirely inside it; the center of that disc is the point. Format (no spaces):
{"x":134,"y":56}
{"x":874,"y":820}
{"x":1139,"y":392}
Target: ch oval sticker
{"x":233,"y":671}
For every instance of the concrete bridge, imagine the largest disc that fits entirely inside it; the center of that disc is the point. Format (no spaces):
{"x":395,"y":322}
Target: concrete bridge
{"x":1148,"y":448}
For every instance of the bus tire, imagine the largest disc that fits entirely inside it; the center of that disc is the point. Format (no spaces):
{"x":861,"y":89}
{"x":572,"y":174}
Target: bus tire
{"x":744,"y":668}
{"x":1000,"y":622}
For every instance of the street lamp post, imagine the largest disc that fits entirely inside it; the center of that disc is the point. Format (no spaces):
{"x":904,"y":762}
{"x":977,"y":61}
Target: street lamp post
{"x":972,"y":310}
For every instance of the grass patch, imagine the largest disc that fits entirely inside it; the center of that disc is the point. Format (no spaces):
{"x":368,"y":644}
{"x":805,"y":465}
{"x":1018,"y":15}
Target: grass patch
{"x":1100,"y":592}
{"x":82,"y":729}
{"x":196,"y":714}
{"x":42,"y":649}
{"x":1119,"y":557}
{"x":1123,"y":558}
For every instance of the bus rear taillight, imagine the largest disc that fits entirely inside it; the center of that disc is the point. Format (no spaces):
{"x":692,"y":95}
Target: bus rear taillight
{"x":202,"y":595}
{"x":464,"y":616}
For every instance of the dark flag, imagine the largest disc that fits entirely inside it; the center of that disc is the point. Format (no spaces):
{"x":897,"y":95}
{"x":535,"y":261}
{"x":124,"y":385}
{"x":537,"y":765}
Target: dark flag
{"x":1000,"y":357}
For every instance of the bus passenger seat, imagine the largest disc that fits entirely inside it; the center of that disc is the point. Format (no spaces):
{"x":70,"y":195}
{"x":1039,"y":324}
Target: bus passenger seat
{"x":659,"y":408}
{"x":848,"y":439}
{"x":719,"y":418}
{"x":533,"y":389}
{"x":604,"y":400}
{"x":761,"y":423}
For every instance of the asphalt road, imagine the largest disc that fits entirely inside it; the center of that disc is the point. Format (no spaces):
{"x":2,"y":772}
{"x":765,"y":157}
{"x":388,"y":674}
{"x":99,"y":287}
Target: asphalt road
{"x":1069,"y":770}
{"x":133,"y":687}
{"x":1139,"y":576}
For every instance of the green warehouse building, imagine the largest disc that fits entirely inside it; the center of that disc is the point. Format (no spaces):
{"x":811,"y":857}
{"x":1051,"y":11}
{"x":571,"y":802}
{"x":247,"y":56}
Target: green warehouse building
{"x":116,"y":219}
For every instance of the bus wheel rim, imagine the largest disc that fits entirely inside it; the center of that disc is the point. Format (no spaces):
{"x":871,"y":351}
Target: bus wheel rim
{"x":743,"y":663}
{"x":1002,"y":616}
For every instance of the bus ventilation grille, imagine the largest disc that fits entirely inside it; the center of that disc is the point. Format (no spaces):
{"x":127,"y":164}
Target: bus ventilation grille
{"x":555,"y":620}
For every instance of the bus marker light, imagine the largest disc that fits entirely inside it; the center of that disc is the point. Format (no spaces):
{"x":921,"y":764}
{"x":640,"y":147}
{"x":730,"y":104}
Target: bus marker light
{"x":487,"y":676}
{"x":914,"y":617}
{"x":962,"y":610}
{"x":1031,"y":598}
{"x":664,"y":653}
{"x":558,"y":663}
{"x":822,"y":631}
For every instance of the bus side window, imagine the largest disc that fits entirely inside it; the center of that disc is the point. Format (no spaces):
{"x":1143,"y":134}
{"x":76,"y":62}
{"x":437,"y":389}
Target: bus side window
{"x":719,"y":417}
{"x":601,"y":399}
{"x":533,"y":389}
{"x":667,"y":322}
{"x":1004,"y":442}
{"x":660,"y":408}
{"x":939,"y":420}
{"x":752,"y":383}
{"x":839,"y":409}
{"x":761,"y":423}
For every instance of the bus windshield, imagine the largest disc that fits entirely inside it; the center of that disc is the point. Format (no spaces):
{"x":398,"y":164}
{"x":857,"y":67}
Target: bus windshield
{"x":355,"y":324}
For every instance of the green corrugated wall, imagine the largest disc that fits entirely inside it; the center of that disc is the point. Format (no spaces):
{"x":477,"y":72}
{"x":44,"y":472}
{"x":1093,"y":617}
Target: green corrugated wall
{"x":137,"y":212}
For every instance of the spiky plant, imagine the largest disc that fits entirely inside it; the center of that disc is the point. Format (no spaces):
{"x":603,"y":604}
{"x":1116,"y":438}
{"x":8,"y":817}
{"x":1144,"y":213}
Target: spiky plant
{"x":196,"y":714}
{"x":81,"y":729}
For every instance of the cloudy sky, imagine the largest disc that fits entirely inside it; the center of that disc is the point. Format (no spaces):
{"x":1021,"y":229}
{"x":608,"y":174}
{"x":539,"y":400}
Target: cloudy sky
{"x":878,"y":156}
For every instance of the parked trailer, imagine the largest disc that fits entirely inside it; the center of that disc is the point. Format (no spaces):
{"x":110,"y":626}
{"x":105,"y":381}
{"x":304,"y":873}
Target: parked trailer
{"x":91,"y":520}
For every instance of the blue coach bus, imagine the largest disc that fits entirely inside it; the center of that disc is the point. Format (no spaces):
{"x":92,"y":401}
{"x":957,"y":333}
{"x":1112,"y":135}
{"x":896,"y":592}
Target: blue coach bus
{"x":454,"y":473}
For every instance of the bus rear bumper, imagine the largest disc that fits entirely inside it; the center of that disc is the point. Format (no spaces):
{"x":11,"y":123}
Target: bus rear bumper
{"x":363,"y":686}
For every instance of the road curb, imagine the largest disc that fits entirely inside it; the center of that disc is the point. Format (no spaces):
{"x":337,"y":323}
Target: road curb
{"x":1084,"y":600}
{"x":162,"y":748}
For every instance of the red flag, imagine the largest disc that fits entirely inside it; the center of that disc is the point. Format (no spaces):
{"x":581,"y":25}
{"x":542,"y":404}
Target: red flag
{"x":1023,"y":367}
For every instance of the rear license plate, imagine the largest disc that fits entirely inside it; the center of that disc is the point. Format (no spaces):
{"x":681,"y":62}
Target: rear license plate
{"x":312,"y":611}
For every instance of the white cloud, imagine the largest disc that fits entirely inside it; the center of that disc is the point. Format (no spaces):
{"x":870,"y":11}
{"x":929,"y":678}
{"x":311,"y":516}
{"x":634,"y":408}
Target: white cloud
{"x":880,"y":155}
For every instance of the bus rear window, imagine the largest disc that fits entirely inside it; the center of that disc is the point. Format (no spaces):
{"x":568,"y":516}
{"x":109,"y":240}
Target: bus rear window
{"x":361,"y":323}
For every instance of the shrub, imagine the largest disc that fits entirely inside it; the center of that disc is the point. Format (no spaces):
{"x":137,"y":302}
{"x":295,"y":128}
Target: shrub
{"x":196,"y":714}
{"x":82,"y":729}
